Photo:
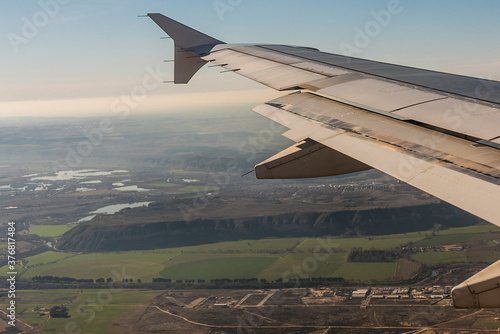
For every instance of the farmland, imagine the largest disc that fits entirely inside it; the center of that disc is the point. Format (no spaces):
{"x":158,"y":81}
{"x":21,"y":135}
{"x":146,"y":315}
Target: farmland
{"x":211,"y":267}
{"x":46,"y":258}
{"x":96,"y":311}
{"x":102,"y":265}
{"x":271,"y":259}
{"x":303,"y":265}
{"x":52,"y":231}
{"x":28,"y":300}
{"x":92,"y":311}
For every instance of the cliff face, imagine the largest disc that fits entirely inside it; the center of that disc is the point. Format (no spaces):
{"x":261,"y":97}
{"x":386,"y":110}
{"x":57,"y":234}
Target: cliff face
{"x":97,"y":235}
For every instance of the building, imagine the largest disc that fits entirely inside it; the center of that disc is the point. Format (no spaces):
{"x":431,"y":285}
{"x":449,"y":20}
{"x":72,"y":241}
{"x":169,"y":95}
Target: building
{"x":381,"y":293}
{"x":220,"y":306}
{"x":360,"y":293}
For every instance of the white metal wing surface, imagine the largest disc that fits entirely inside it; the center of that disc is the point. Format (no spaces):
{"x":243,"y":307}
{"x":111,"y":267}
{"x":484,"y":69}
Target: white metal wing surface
{"x":438,"y":132}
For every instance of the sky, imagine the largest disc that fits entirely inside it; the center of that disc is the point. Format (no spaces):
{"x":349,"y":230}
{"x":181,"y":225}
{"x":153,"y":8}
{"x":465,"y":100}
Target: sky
{"x":89,"y":57}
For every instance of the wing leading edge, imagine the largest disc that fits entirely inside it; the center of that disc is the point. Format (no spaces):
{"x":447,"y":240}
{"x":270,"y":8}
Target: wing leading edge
{"x":436,"y":131}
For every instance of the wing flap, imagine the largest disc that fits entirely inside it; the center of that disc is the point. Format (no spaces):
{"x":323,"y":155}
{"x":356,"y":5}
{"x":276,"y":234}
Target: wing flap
{"x":447,"y":167}
{"x":307,"y":159}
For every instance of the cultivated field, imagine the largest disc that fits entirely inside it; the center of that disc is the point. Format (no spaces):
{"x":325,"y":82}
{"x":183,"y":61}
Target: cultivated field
{"x":91,"y":311}
{"x":305,"y":265}
{"x":52,"y":231}
{"x":272,"y":259}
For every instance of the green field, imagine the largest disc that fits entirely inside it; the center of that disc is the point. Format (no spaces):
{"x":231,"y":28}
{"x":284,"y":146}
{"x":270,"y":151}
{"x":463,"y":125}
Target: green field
{"x":98,"y":316}
{"x":103,"y":265}
{"x":91,"y":311}
{"x":27,"y":300}
{"x":268,"y":259}
{"x":213,"y":268}
{"x":377,"y":242}
{"x":257,"y":255}
{"x":46,"y":258}
{"x":390,"y":242}
{"x":449,"y":239}
{"x":311,"y":244}
{"x":304,"y":265}
{"x":52,"y":231}
{"x":271,"y":245}
{"x":486,"y":228}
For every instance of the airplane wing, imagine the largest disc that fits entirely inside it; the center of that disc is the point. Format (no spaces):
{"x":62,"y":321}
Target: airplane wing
{"x":436,"y":131}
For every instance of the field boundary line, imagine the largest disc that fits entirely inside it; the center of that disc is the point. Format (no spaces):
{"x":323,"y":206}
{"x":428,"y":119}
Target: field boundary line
{"x":290,"y":250}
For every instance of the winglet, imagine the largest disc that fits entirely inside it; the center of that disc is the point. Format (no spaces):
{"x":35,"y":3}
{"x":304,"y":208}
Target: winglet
{"x":188,"y":44}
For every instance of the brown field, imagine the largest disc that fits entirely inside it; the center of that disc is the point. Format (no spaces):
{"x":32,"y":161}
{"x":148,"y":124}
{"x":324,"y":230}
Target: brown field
{"x":407,"y":269}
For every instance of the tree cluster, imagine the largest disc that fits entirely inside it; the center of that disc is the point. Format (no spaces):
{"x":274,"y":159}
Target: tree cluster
{"x":59,"y":312}
{"x":372,"y":255}
{"x":56,"y":279}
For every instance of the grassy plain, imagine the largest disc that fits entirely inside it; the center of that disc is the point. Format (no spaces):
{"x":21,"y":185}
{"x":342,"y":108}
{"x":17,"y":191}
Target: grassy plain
{"x":149,"y":264}
{"x":268,"y":258}
{"x":304,"y":265}
{"x":46,"y":258}
{"x":52,"y":231}
{"x":28,"y":300}
{"x":103,"y":265}
{"x":218,"y":267}
{"x":94,"y":312}
{"x":377,"y":242}
{"x":271,"y":245}
{"x":91,"y":311}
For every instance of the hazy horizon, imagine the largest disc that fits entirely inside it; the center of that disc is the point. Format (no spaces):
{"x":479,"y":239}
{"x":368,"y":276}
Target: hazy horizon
{"x":87,"y":58}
